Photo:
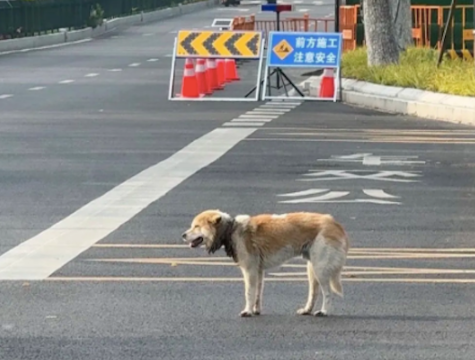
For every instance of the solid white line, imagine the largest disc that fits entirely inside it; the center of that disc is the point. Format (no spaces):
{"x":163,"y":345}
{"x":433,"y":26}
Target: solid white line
{"x":5,"y":96}
{"x":43,"y":254}
{"x":36,"y":88}
{"x":66,"y":81}
{"x":114,"y":70}
{"x":152,"y":60}
{"x":91,"y":75}
{"x":45,"y":47}
{"x":134,"y":64}
{"x":243,"y":124}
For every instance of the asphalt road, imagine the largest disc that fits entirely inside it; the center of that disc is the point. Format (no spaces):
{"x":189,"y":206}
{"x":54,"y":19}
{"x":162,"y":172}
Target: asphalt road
{"x":121,"y":171}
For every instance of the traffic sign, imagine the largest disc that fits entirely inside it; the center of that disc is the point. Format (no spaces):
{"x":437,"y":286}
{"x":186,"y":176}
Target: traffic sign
{"x":219,"y":44}
{"x":304,"y":49}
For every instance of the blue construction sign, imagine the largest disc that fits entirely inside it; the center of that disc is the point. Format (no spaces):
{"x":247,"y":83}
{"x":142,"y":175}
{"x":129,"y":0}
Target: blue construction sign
{"x":304,"y":49}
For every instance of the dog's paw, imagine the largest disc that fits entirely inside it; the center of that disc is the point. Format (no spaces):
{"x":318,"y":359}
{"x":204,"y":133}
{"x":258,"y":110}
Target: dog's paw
{"x":303,"y":311}
{"x":256,"y":312}
{"x":245,"y":314}
{"x":320,"y":314}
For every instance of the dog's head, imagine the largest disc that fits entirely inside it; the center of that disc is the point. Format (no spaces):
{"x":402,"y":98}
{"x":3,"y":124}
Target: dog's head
{"x":208,"y":228}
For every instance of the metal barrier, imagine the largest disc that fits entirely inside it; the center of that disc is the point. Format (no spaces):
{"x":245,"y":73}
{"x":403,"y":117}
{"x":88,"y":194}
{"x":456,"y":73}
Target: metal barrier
{"x":428,"y":23}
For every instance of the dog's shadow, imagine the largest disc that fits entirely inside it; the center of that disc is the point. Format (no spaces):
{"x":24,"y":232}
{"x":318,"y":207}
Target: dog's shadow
{"x":271,"y":317}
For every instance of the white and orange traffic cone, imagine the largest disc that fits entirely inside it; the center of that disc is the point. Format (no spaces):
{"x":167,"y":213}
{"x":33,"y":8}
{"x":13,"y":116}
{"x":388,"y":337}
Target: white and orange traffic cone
{"x":201,"y":77}
{"x":189,"y":86}
{"x":212,"y":75}
{"x":231,"y":72}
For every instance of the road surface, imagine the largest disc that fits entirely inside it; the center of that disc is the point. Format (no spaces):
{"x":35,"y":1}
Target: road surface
{"x":101,"y":174}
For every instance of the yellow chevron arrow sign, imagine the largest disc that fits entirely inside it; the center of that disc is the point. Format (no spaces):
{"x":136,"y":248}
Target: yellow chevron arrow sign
{"x":219,"y":44}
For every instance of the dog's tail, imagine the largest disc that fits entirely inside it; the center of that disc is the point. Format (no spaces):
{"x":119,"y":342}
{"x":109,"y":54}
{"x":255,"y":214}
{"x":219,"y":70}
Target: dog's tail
{"x":335,"y":284}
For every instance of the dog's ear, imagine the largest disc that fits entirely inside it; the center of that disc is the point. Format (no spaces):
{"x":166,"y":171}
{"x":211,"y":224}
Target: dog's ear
{"x":216,"y":219}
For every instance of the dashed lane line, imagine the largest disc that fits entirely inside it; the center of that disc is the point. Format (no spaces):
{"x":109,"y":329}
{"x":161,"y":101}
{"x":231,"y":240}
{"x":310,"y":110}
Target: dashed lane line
{"x":5,"y":96}
{"x":114,"y":70}
{"x":91,"y":75}
{"x":134,"y":64}
{"x":36,"y":88}
{"x":69,"y":81}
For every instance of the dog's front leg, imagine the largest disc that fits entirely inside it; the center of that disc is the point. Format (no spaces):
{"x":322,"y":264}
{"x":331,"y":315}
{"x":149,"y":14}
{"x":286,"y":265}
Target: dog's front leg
{"x":250,"y":288}
{"x":260,"y":287}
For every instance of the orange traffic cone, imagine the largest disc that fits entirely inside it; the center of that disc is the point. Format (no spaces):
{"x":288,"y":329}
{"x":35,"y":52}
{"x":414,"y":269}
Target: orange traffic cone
{"x":327,"y":84}
{"x":221,"y":72}
{"x":231,"y":72}
{"x":212,"y":75}
{"x":189,"y":86}
{"x":201,"y":77}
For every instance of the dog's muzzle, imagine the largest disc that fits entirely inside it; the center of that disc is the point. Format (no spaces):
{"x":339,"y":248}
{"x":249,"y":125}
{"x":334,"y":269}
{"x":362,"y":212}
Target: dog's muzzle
{"x":193,"y":240}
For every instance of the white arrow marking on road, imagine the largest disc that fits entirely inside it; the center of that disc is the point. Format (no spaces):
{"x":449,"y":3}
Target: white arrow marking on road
{"x":332,"y":195}
{"x":349,"y":174}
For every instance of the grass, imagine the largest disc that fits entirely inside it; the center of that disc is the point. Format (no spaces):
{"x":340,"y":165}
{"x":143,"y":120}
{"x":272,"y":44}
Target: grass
{"x":417,"y":68}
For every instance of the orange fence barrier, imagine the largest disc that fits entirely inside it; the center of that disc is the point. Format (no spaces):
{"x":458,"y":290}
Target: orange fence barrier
{"x":428,"y":25}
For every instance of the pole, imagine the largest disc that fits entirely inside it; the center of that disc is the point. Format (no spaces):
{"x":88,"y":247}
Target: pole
{"x":337,"y":15}
{"x":277,"y":27}
{"x":446,"y":27}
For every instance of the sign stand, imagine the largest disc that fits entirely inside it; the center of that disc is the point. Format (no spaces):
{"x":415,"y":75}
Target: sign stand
{"x":279,"y":74}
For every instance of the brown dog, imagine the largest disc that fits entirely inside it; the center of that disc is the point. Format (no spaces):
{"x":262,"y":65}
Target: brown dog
{"x":257,"y":243}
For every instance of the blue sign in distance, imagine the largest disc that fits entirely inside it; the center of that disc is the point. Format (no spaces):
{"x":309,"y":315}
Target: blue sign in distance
{"x":304,"y":49}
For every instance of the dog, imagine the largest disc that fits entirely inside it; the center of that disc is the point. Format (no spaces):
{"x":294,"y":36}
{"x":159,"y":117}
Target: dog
{"x":257,"y":243}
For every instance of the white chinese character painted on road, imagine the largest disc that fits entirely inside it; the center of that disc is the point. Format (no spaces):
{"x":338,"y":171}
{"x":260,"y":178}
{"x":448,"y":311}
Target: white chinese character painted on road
{"x":369,"y":159}
{"x":320,"y":58}
{"x":332,"y":43}
{"x":311,"y":43}
{"x":309,"y":57}
{"x":321,"y":43}
{"x":298,"y":57}
{"x":331,"y":58}
{"x":355,"y":174}
{"x":300,"y":43}
{"x":377,"y":196}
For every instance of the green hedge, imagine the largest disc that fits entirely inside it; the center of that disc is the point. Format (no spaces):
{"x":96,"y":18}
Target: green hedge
{"x":32,"y":17}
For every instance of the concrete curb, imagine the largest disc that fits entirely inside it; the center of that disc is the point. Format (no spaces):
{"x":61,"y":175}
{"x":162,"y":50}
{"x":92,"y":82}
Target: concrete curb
{"x":407,"y":101}
{"x":108,"y":25}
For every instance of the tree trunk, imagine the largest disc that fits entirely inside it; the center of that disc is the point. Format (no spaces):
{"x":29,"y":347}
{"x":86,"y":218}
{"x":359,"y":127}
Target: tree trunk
{"x":379,"y":33}
{"x":402,"y":23}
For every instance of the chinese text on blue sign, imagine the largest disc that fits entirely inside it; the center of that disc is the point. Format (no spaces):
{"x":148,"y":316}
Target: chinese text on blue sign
{"x":304,"y":49}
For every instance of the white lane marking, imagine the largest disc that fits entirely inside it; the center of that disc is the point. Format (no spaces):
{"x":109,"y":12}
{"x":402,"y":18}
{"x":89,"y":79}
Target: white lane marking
{"x":152,"y":60}
{"x":298,"y":1}
{"x":250,"y":120}
{"x":318,"y":2}
{"x":91,"y":75}
{"x":273,"y":108}
{"x":5,"y":96}
{"x":148,"y":34}
{"x":46,"y":47}
{"x":263,"y":112}
{"x":329,"y":15}
{"x":114,"y":70}
{"x":303,"y":10}
{"x":282,"y":103}
{"x":43,"y":254}
{"x":134,"y":64}
{"x":66,"y":82}
{"x":260,"y":116}
{"x":243,"y":124}
{"x":36,"y":88}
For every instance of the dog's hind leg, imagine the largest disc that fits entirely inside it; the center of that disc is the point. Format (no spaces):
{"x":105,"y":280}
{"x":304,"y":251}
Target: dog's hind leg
{"x":251,"y":278}
{"x":327,"y":262}
{"x":260,"y":291}
{"x":312,"y":291}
